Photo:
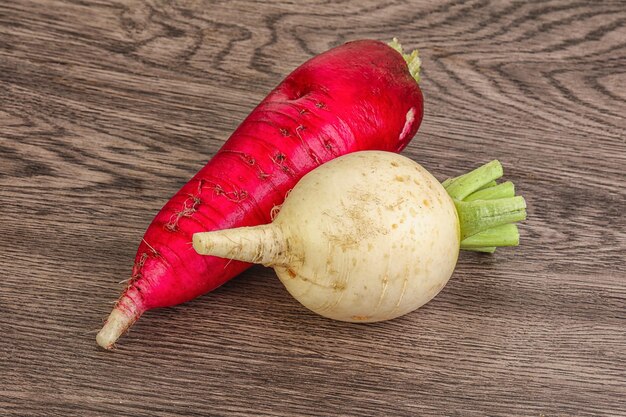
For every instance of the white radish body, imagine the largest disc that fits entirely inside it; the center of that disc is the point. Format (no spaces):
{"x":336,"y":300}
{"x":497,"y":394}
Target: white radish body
{"x":367,"y":237}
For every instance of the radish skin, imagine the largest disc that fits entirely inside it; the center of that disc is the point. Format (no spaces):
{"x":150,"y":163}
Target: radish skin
{"x":371,"y":236}
{"x":358,"y":96}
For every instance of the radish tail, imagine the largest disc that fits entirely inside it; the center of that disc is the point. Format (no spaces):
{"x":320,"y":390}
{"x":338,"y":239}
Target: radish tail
{"x":119,"y":321}
{"x":263,"y":244}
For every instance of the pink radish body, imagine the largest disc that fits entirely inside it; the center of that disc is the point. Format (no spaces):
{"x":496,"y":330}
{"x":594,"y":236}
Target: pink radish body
{"x":358,"y":96}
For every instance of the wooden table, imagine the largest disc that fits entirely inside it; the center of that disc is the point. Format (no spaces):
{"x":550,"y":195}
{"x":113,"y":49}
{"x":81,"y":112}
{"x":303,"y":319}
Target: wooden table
{"x":107,"y":108}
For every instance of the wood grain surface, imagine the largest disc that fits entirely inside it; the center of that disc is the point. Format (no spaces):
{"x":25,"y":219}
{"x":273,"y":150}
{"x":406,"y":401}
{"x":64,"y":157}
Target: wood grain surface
{"x":108,"y":107}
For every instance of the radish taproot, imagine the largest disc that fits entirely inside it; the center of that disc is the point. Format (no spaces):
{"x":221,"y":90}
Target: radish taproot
{"x":361,"y":95}
{"x":372,"y":235}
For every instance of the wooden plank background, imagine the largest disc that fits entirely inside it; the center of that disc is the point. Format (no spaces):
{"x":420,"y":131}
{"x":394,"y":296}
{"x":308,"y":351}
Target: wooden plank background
{"x":108,"y":107}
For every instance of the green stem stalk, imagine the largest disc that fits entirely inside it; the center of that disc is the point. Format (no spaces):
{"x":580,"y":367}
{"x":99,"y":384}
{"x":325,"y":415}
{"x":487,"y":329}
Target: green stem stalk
{"x":490,"y":249}
{"x":480,"y":215}
{"x":488,"y":185}
{"x":505,"y":235}
{"x":487,"y":211}
{"x":461,"y":187}
{"x":504,"y":190}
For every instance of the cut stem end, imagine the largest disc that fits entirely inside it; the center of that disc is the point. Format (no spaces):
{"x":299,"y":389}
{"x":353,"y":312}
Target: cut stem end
{"x":413,"y":61}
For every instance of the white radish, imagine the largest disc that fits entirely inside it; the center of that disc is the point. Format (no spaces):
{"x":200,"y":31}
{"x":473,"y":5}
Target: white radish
{"x":372,"y":235}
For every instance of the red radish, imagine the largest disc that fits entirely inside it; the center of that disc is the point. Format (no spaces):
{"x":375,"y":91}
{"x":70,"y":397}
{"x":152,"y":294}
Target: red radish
{"x":362,"y":95}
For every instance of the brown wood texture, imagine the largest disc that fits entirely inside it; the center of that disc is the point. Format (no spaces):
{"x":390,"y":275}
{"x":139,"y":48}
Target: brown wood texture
{"x":108,"y":107}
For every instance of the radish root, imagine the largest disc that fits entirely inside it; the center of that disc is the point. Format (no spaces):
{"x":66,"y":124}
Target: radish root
{"x":116,"y":325}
